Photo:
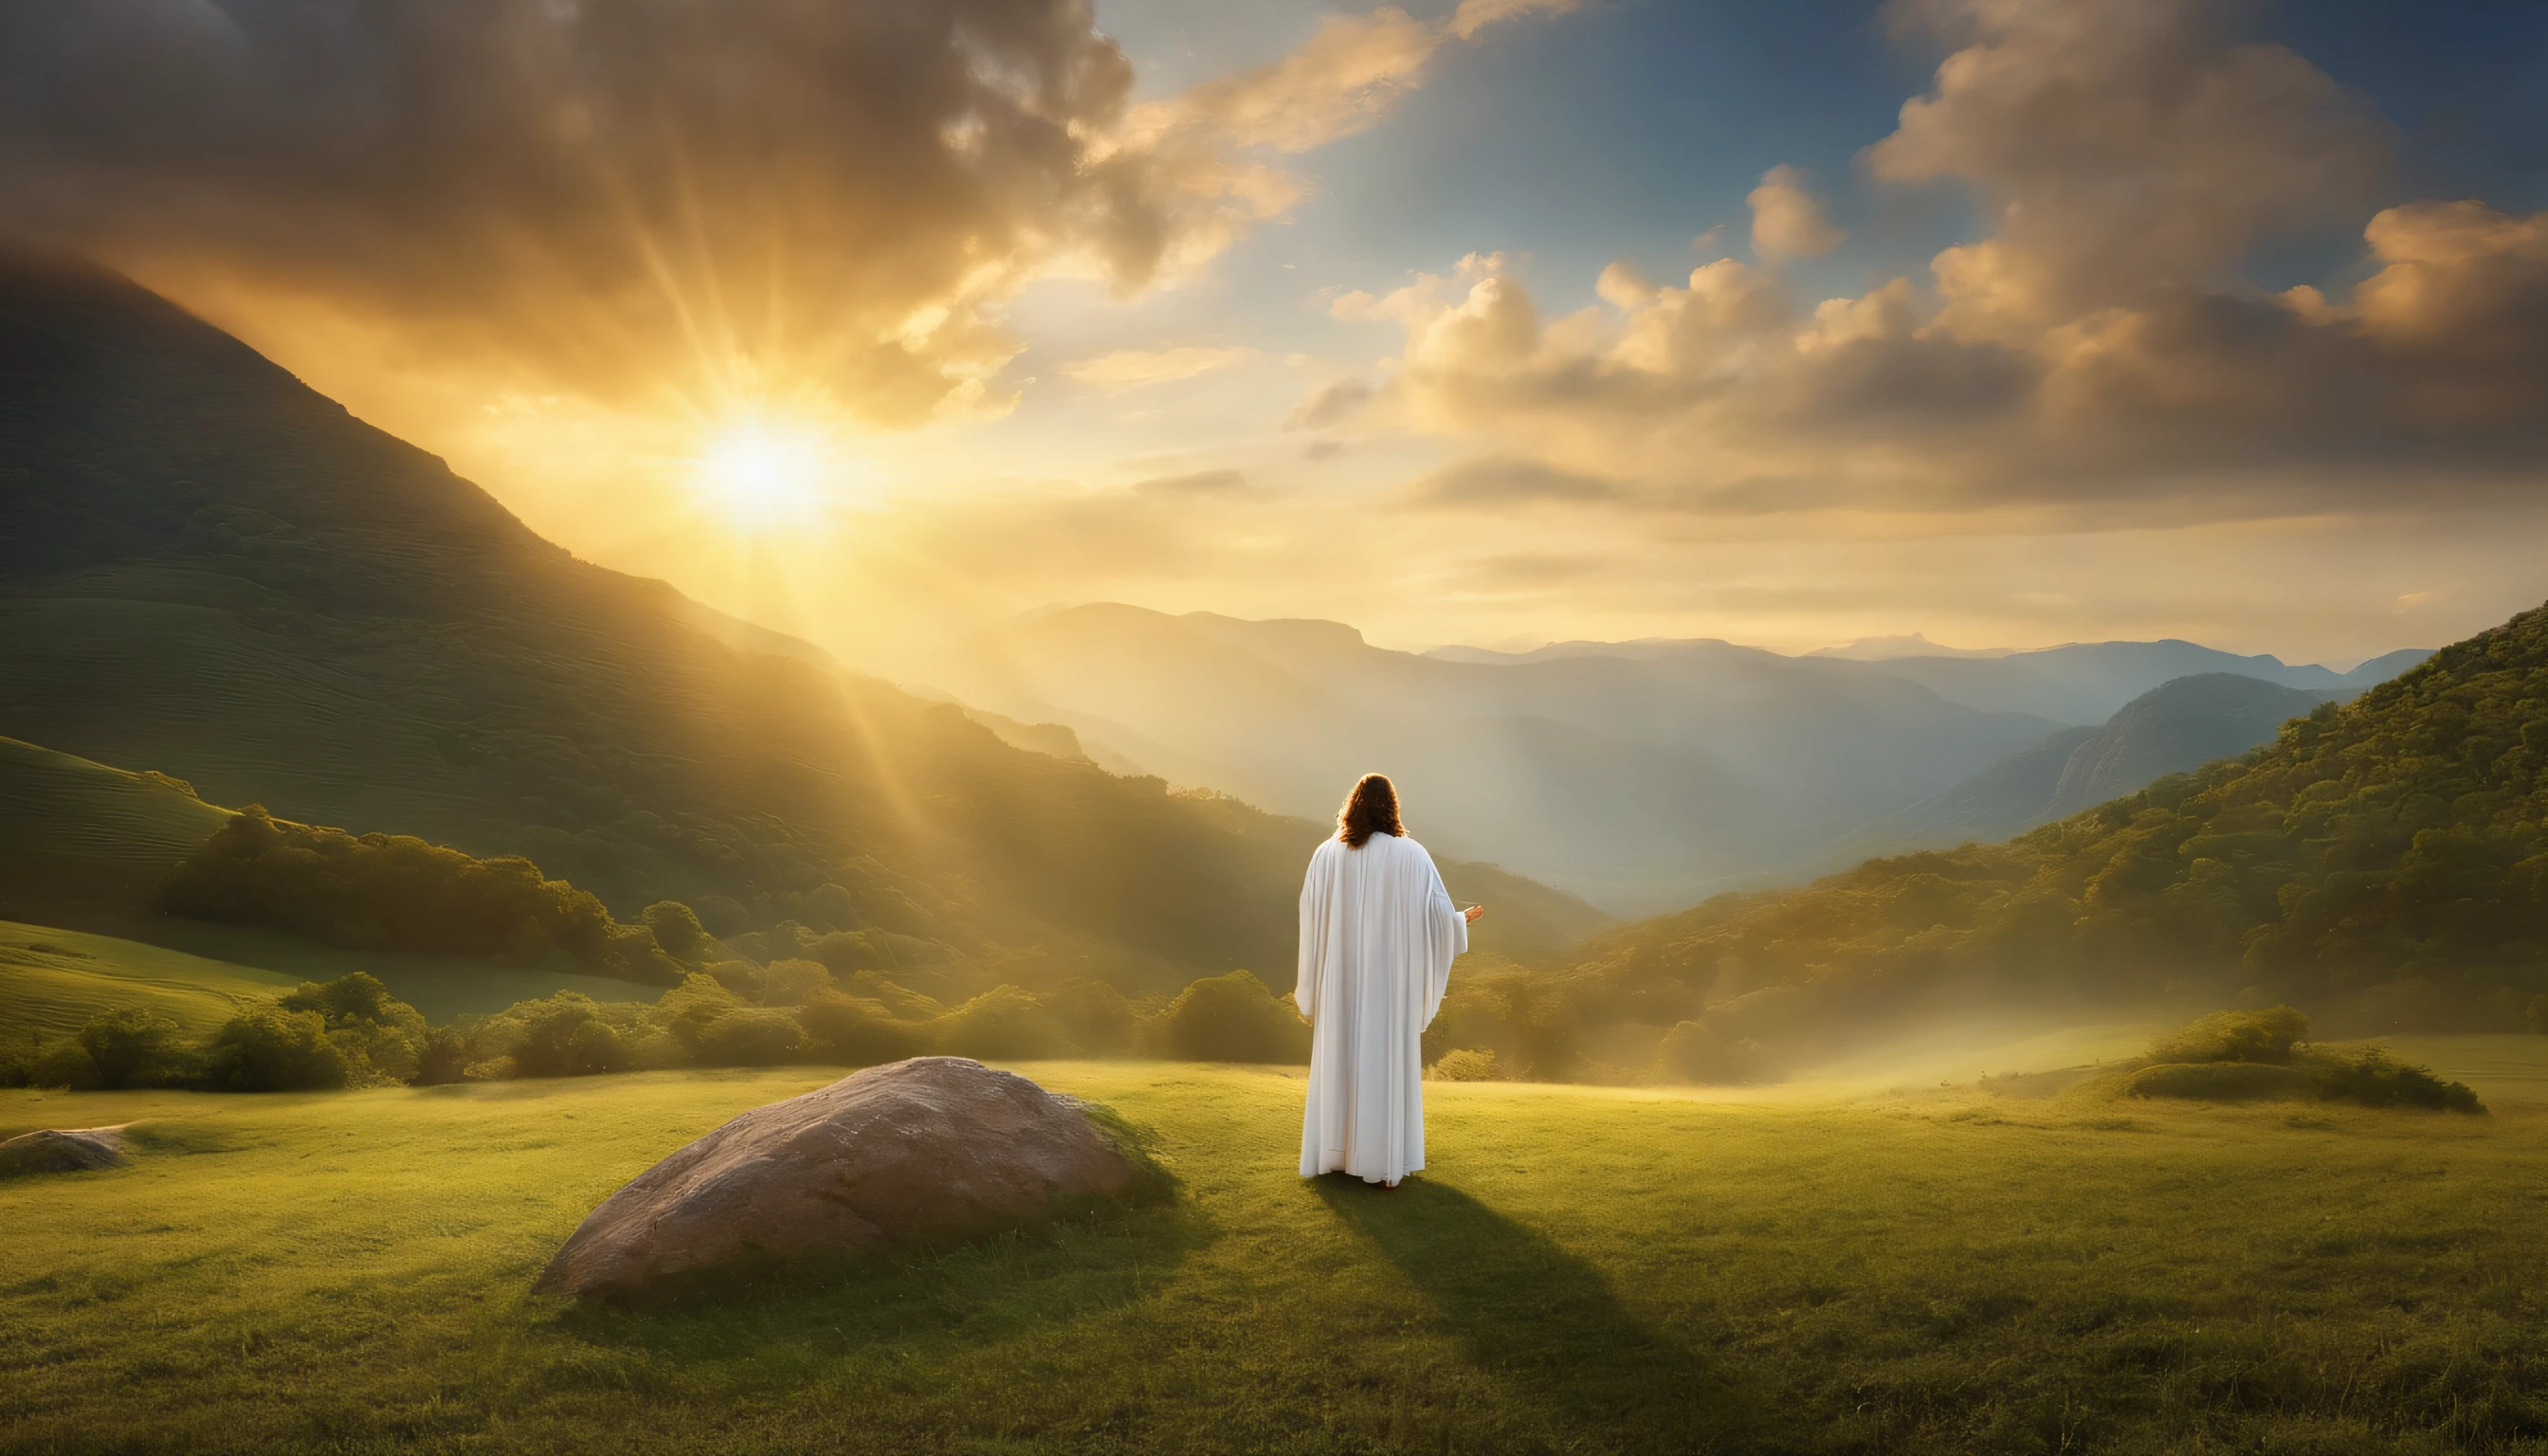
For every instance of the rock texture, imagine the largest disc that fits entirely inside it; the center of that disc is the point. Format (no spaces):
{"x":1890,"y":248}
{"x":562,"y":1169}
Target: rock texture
{"x":931,"y":1152}
{"x":62,"y":1150}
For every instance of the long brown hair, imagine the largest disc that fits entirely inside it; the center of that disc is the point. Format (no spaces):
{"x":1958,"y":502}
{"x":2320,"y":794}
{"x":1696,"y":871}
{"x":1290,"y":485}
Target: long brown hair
{"x":1372,"y":808}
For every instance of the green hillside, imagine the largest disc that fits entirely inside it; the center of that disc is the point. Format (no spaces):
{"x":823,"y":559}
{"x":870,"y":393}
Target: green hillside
{"x":209,"y":571}
{"x":51,"y":982}
{"x":2383,"y":864}
{"x":89,"y":835}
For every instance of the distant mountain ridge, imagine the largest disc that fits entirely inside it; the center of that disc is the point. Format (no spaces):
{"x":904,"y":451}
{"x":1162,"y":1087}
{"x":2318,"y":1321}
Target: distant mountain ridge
{"x":1635,"y":773}
{"x":2077,"y":682}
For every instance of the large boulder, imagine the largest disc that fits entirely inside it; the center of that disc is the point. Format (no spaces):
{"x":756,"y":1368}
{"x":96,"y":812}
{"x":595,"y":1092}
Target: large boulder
{"x":921,"y":1154}
{"x":62,"y":1150}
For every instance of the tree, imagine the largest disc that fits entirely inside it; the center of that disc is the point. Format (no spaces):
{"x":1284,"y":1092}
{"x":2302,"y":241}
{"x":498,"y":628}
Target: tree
{"x":271,"y":1049}
{"x":131,"y":1049}
{"x":1233,"y":1018}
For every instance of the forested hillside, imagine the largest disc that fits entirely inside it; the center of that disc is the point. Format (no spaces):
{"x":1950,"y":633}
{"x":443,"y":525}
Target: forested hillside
{"x":2383,"y":864}
{"x":211,"y":572}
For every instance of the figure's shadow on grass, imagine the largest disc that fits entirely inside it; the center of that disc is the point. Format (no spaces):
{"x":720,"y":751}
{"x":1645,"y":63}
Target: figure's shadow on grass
{"x":987,"y":1293}
{"x":1546,"y":1321}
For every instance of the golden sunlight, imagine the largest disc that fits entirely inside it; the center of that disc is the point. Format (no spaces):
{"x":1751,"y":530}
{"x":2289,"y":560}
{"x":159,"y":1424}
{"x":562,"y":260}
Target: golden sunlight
{"x":761,"y":475}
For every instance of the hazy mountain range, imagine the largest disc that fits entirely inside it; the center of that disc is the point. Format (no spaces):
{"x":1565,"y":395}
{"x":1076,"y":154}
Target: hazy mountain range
{"x":1641,"y":775}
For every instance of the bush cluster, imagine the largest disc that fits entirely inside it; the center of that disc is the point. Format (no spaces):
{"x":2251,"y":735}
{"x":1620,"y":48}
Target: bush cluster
{"x":351,"y":1033}
{"x":392,"y":892}
{"x":2258,"y":1056}
{"x":347,"y":1033}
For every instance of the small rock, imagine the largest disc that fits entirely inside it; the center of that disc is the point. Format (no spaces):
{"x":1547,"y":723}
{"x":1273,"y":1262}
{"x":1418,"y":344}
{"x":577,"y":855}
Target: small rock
{"x":62,"y":1150}
{"x":926,"y":1152}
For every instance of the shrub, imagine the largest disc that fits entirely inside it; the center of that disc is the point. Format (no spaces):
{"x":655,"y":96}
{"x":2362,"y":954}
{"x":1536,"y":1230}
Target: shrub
{"x":444,"y":1057}
{"x":377,"y":1055}
{"x":131,"y":1049}
{"x":271,"y":1049}
{"x":381,"y":1038}
{"x":2235,"y":1036}
{"x":541,"y":1033}
{"x":1003,"y":1022}
{"x":676,"y":928}
{"x":2374,"y":1078}
{"x":357,"y":996}
{"x":1467,"y":1064}
{"x":789,"y":982}
{"x":750,"y":1037}
{"x":687,"y":1010}
{"x":64,"y":1063}
{"x":653,"y":1049}
{"x":1233,"y":1018}
{"x":594,"y":1047}
{"x":856,"y":1029}
{"x":2220,"y":1081}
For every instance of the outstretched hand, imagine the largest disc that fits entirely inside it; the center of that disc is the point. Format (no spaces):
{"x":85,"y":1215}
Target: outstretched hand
{"x":1474,"y":911}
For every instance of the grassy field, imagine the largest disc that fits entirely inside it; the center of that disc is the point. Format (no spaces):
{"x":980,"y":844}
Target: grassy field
{"x":51,"y":982}
{"x":1580,"y":1270}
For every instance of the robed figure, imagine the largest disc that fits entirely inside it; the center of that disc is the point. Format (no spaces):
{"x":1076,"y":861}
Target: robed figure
{"x":1378,"y":934}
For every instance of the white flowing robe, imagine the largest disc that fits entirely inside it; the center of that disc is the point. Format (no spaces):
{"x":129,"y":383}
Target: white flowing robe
{"x":1377,"y":933}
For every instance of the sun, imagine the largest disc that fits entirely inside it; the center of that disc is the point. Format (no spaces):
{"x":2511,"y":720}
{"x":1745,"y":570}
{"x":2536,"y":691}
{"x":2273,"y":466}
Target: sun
{"x":763,"y":475}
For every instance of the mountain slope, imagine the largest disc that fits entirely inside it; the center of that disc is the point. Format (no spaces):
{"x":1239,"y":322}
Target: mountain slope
{"x":2178,"y":726}
{"x":2384,"y":862}
{"x":208,"y":570}
{"x":1997,"y":802}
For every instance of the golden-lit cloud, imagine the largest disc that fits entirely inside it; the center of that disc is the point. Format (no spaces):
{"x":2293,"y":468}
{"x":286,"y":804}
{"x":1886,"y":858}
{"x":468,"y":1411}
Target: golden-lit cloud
{"x":1787,"y":219}
{"x":2095,"y":349}
{"x":644,"y":198}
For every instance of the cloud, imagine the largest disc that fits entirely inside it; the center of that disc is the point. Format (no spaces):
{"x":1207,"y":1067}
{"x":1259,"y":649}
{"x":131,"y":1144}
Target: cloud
{"x":1787,"y":221}
{"x":1333,"y":404}
{"x":1130,"y":369}
{"x":2093,"y":351}
{"x":1348,"y":74}
{"x":2120,"y":147}
{"x":824,"y":201}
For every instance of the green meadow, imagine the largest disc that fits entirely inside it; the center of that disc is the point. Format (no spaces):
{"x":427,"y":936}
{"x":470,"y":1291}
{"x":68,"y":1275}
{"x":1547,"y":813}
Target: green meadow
{"x":1580,"y":1269}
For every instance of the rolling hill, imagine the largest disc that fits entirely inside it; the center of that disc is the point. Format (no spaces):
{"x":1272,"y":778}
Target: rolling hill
{"x":51,"y":982}
{"x":2382,"y":863}
{"x":209,"y":571}
{"x":88,"y":838}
